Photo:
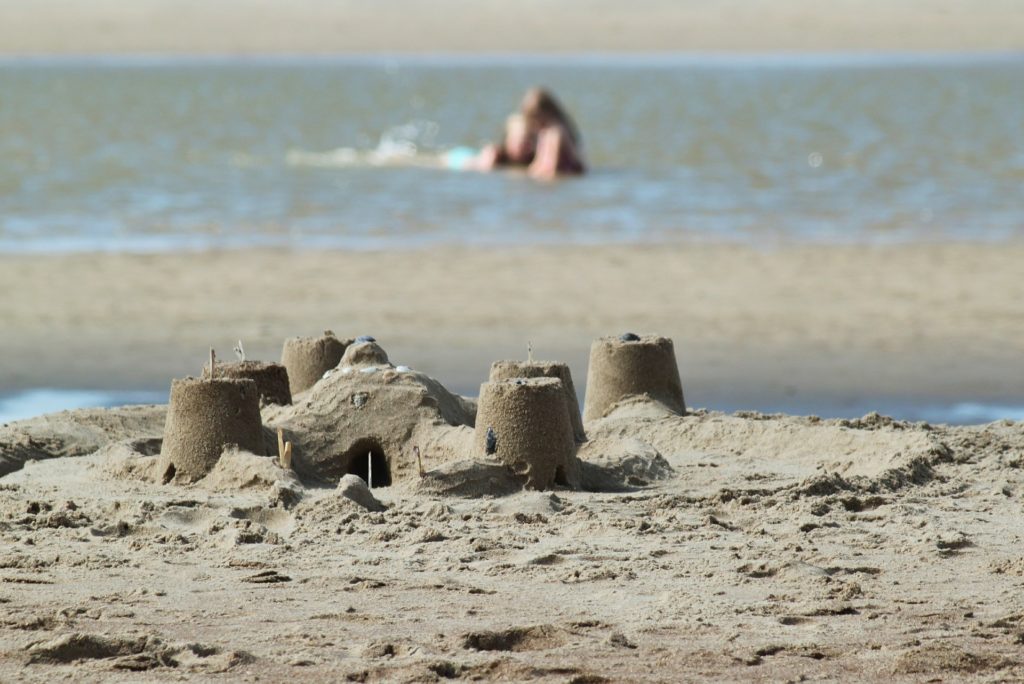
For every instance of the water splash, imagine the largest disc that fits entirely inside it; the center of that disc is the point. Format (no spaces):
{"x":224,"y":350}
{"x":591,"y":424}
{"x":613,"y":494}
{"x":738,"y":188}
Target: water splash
{"x":408,"y":144}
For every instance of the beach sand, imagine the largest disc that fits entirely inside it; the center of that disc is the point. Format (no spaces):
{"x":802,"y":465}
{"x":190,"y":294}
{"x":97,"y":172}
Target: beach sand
{"x":745,"y":546}
{"x":67,"y":27}
{"x":790,"y":326}
{"x":705,"y":546}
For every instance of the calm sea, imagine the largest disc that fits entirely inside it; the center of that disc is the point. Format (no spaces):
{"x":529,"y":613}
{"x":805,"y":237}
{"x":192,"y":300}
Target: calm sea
{"x":166,"y":154}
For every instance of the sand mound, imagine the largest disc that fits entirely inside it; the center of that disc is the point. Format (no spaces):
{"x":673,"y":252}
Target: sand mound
{"x":613,"y":463}
{"x":133,"y":653}
{"x":467,"y":478}
{"x":238,"y":469}
{"x":374,"y":414}
{"x":235,"y":470}
{"x":129,"y":460}
{"x":355,"y":489}
{"x":75,"y":433}
{"x":778,"y":448}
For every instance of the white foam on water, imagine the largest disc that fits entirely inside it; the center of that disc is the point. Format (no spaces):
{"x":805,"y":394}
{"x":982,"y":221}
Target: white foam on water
{"x":408,"y":144}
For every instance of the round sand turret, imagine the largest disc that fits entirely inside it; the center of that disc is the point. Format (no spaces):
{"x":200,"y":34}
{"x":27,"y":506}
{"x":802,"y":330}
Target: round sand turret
{"x":202,"y":417}
{"x":271,"y":379}
{"x":507,"y":370}
{"x":308,"y":358}
{"x":632,"y":365}
{"x":525,"y":424}
{"x":364,"y":353}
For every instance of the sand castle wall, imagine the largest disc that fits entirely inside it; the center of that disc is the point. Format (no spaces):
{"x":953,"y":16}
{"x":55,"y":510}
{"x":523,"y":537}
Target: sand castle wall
{"x":507,"y":370}
{"x":525,"y":424}
{"x":271,"y":379}
{"x":308,"y":358}
{"x":203,"y":416}
{"x":631,"y":365}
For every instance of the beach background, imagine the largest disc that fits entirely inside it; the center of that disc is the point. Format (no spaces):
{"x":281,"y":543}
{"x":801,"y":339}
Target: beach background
{"x":820,"y":205}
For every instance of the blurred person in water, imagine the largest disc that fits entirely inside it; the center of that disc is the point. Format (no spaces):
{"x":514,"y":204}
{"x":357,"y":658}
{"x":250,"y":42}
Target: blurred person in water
{"x":541,"y":138}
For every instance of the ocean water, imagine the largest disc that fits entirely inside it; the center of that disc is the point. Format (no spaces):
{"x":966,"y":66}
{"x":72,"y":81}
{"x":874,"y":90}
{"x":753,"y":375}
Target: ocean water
{"x":165,"y":154}
{"x":147,"y":154}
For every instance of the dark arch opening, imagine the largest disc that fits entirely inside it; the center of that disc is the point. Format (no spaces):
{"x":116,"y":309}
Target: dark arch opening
{"x":169,"y":473}
{"x":560,"y":478}
{"x":361,"y":455}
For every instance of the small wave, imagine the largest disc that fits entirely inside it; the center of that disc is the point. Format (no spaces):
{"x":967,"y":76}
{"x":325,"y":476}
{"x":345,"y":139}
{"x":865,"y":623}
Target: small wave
{"x":409,"y":144}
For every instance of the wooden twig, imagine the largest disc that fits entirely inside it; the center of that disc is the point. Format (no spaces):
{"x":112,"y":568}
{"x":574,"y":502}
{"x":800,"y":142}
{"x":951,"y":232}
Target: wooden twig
{"x":280,"y":446}
{"x":419,"y":460}
{"x":369,"y":469}
{"x":240,"y":351}
{"x":286,"y":462}
{"x":213,"y":363}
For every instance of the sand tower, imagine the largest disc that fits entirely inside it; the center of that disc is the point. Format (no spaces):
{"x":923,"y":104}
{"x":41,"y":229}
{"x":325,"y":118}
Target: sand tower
{"x":308,"y":358}
{"x":507,"y":370}
{"x":271,"y":379}
{"x":364,"y":351}
{"x":525,"y":424}
{"x":202,"y":417}
{"x":632,"y":365}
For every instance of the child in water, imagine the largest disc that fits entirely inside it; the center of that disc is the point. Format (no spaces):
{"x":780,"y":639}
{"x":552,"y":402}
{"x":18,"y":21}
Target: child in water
{"x":541,"y":138}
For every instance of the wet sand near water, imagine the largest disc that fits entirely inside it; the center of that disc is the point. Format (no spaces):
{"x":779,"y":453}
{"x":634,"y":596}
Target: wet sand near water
{"x":942,"y":322}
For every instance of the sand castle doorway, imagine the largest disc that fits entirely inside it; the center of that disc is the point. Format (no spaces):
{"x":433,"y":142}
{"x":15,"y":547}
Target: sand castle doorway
{"x":366,"y":454}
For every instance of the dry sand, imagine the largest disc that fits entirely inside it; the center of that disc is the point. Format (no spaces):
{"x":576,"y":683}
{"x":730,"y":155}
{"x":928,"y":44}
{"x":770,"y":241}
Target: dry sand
{"x":752,"y":547}
{"x":751,"y":327}
{"x":347,"y":26}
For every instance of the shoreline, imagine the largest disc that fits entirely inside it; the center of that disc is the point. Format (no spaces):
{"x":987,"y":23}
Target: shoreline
{"x":753,"y":328}
{"x":441,"y":57}
{"x":33,"y":403}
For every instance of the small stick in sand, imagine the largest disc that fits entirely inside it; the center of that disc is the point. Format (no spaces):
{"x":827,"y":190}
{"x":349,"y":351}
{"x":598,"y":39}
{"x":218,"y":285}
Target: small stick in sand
{"x":369,"y":469}
{"x":419,"y":460}
{"x":213,"y":363}
{"x":529,"y":351}
{"x":240,"y":351}
{"x":284,"y":450}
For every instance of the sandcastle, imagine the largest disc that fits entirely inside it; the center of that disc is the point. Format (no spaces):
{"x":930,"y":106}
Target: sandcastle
{"x":204,"y":415}
{"x":271,"y":379}
{"x":364,"y":351}
{"x":524,"y":423}
{"x":362,"y":415}
{"x":308,"y":358}
{"x":506,"y":370}
{"x":367,"y":414}
{"x":632,"y":365}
